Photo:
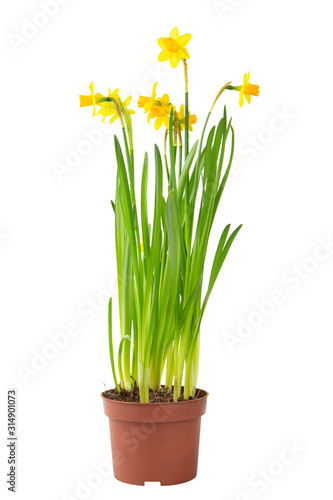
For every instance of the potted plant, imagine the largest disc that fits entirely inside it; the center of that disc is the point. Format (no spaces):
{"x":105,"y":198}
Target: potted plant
{"x":155,"y":426}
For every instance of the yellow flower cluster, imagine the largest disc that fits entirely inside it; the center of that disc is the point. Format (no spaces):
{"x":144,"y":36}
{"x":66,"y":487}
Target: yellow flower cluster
{"x":159,"y":108}
{"x":109,"y":106}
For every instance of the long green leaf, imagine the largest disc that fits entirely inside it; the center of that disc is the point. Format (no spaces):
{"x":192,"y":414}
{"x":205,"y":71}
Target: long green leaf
{"x":144,"y":211}
{"x":127,"y":207}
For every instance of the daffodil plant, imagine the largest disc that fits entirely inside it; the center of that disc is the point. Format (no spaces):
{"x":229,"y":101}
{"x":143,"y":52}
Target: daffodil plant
{"x":160,"y":264}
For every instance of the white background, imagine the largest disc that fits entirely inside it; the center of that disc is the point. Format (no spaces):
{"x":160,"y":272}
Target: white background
{"x":57,"y":245}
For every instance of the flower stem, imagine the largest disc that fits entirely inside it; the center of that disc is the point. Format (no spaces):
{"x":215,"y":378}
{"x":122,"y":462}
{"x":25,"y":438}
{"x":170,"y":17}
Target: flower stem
{"x":111,"y":346}
{"x":186,"y":110}
{"x":226,"y":86}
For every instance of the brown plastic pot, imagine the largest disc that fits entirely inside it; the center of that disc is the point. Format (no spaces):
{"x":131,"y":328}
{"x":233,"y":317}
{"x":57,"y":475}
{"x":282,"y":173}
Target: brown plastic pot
{"x":155,"y":441}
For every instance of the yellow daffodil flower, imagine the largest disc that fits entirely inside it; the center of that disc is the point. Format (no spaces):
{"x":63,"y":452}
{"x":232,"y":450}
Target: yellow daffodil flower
{"x":108,"y":107}
{"x":159,"y":108}
{"x":161,"y":112}
{"x":92,"y":99}
{"x":148,"y":102}
{"x":173,"y":47}
{"x":106,"y":104}
{"x":181,"y":118}
{"x":245,"y":90}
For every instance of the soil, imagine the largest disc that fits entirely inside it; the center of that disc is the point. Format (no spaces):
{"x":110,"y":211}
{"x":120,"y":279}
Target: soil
{"x":161,"y":395}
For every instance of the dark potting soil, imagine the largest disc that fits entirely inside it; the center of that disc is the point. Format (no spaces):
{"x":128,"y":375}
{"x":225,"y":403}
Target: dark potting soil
{"x":161,"y":395}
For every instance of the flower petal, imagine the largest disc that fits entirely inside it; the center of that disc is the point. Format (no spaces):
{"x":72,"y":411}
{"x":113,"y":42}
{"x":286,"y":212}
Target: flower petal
{"x":147,"y":107}
{"x":158,"y":123}
{"x":164,"y":55}
{"x":248,"y":98}
{"x":246,"y":78}
{"x":127,"y":100}
{"x":165,"y":100}
{"x":184,"y":39}
{"x":113,"y":118}
{"x":91,"y":88}
{"x":174,"y":60}
{"x":174,"y":33}
{"x":142,"y":101}
{"x":160,"y":42}
{"x":153,"y":94}
{"x":106,"y":111}
{"x":183,"y":54}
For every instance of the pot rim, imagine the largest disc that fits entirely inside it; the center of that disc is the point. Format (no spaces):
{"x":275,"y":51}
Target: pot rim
{"x":206,"y":394}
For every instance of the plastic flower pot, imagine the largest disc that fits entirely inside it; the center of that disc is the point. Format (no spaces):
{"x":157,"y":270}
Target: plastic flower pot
{"x":155,"y":441}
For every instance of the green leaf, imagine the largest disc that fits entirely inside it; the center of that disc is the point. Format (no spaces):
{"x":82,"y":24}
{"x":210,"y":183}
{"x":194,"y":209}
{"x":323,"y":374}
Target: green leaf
{"x":193,"y":298}
{"x":219,"y":259}
{"x":127,"y":207}
{"x":144,"y":210}
{"x":126,"y":340}
{"x":173,"y":268}
{"x":226,"y":174}
{"x":186,"y":168}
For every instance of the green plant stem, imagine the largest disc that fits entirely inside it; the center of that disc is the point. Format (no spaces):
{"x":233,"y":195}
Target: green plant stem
{"x":187,"y":146}
{"x":172,"y":151}
{"x":129,"y":164}
{"x":186,"y":109}
{"x":180,"y":161}
{"x":111,"y":345}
